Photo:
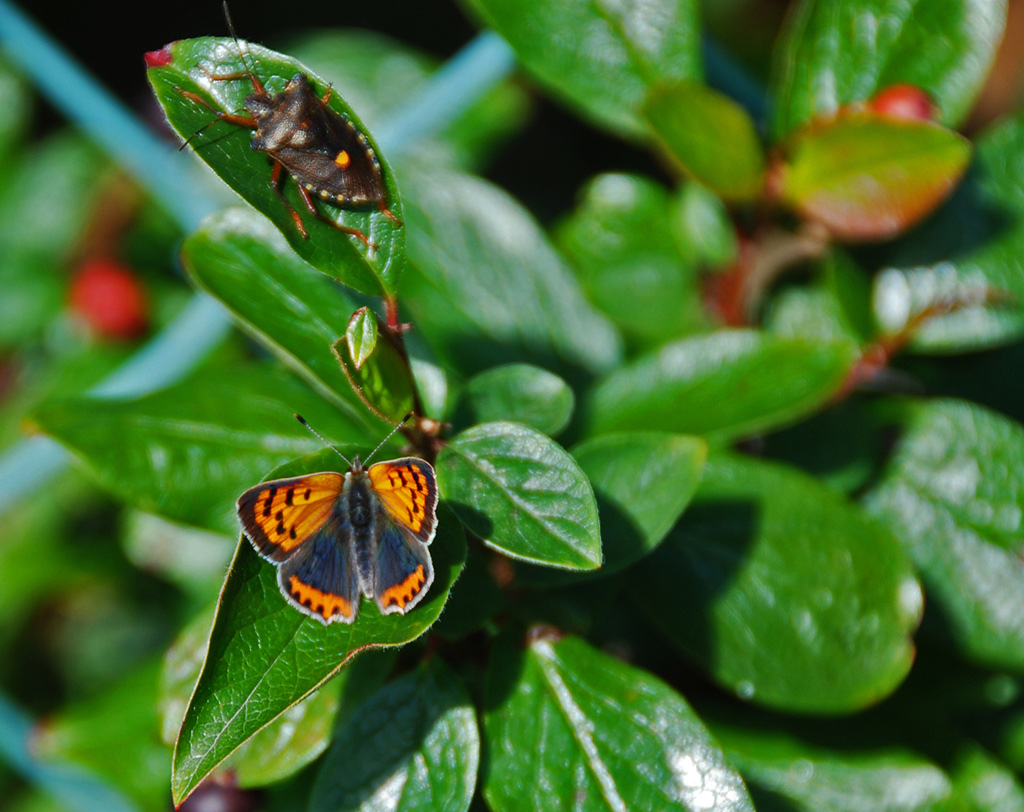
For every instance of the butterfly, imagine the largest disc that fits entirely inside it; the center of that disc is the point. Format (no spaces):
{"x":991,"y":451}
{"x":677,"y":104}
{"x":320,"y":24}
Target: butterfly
{"x":335,"y":537}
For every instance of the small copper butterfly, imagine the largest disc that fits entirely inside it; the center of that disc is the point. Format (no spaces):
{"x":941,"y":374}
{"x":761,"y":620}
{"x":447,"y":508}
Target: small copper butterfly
{"x":337,"y":537}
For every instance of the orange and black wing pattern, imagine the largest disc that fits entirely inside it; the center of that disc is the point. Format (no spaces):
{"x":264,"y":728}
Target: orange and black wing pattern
{"x":407,"y":489}
{"x":278,"y":516}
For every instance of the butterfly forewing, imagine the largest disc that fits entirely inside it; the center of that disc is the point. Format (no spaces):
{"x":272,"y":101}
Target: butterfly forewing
{"x":408,"y":491}
{"x":280,"y":515}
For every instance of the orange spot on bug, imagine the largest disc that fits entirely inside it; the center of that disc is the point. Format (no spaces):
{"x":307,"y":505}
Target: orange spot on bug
{"x":342,"y":159}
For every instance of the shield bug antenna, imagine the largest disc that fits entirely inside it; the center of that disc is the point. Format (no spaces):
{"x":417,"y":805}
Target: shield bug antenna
{"x":329,"y":157}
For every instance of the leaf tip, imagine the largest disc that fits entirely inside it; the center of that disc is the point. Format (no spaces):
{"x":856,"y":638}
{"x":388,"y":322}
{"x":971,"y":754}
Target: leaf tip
{"x":159,"y":59}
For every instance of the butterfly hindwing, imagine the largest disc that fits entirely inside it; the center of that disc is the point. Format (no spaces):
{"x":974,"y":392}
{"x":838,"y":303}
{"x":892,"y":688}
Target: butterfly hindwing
{"x":407,"y":489}
{"x":402,"y":569}
{"x":321,"y":578}
{"x":280,"y":515}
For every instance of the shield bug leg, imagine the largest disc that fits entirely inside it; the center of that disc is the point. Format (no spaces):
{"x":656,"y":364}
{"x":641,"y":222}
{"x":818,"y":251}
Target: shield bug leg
{"x":307,"y":198}
{"x":275,"y":183}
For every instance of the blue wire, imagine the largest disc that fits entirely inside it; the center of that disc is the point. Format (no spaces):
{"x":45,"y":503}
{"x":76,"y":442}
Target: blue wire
{"x":202,"y":324}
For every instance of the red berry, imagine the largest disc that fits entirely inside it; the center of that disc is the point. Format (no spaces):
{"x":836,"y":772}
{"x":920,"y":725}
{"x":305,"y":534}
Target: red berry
{"x":904,"y":102}
{"x":109,"y":298}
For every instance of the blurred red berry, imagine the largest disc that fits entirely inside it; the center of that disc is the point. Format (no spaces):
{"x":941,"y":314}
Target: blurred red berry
{"x":109,"y":298}
{"x":905,"y":102}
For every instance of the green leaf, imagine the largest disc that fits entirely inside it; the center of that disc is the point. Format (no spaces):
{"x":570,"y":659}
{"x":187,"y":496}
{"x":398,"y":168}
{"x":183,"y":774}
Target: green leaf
{"x":643,"y":481}
{"x":702,"y":228}
{"x":225,"y":148}
{"x":567,"y":724}
{"x":361,"y":336}
{"x":980,"y":781}
{"x":414,"y":745}
{"x":486,"y":287}
{"x":867,"y":177}
{"x":265,"y":656}
{"x":831,"y":54}
{"x":385,"y":379}
{"x":187,"y":452}
{"x":520,"y":393}
{"x":767,"y":554}
{"x":522,"y":494}
{"x":282,"y":748}
{"x":952,"y":495}
{"x":971,"y":252}
{"x":238,"y":258}
{"x":601,"y":57}
{"x":623,"y":242}
{"x":113,"y":735}
{"x":803,"y":777}
{"x":711,"y":137}
{"x":722,"y":386}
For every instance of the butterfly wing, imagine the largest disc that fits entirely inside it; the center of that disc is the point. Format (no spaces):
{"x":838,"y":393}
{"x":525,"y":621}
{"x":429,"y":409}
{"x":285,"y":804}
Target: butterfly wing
{"x":402,"y":570}
{"x":279,"y":516}
{"x":321,"y":578}
{"x":407,"y":489}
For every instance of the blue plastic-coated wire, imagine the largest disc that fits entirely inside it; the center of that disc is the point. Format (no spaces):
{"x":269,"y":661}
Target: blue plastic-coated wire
{"x":201,"y":325}
{"x":61,"y":79}
{"x":465,"y":77}
{"x":162,"y":170}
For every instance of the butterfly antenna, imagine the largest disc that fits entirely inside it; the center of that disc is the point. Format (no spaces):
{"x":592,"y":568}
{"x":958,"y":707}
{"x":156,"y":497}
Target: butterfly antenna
{"x":391,"y":434}
{"x":323,"y":439}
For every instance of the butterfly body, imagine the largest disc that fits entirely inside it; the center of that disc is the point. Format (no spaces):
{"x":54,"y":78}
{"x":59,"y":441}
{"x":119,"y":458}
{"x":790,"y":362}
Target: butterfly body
{"x":338,"y":537}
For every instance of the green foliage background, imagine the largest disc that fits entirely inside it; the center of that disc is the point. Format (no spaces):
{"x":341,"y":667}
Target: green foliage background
{"x":731,"y":512}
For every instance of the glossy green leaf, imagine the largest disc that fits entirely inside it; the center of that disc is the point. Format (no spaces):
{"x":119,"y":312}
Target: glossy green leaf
{"x":570,"y":727}
{"x":265,"y":656}
{"x":225,"y":147}
{"x":486,"y":287}
{"x":282,"y":748}
{"x":522,"y":494}
{"x":970,"y":253}
{"x":361,"y":336}
{"x":702,"y":227}
{"x":785,"y":772}
{"x":114,"y":735}
{"x":520,"y":393}
{"x":643,"y":481}
{"x":768,"y":554}
{"x":952,"y":495}
{"x":601,"y":57}
{"x":384,"y":379}
{"x":238,"y":258}
{"x":187,"y":452}
{"x":981,"y":781}
{"x":722,"y":386}
{"x":866,"y":177}
{"x":622,"y":240}
{"x":711,"y":137}
{"x":831,"y":54}
{"x":414,"y":745}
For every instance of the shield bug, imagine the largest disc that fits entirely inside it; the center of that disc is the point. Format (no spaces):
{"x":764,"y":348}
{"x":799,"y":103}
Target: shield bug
{"x":329,"y":157}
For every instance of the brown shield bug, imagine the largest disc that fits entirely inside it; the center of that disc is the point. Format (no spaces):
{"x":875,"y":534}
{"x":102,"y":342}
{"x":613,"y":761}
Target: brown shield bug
{"x":326,"y":154}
